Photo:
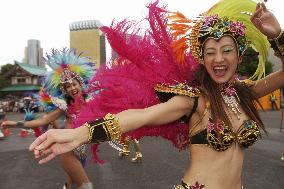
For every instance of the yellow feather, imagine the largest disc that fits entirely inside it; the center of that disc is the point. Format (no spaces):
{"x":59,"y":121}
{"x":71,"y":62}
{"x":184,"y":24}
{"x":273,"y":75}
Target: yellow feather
{"x":233,"y":10}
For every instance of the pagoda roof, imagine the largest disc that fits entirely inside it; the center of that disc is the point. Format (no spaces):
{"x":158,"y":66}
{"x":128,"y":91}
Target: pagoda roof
{"x":13,"y":88}
{"x":34,"y":70}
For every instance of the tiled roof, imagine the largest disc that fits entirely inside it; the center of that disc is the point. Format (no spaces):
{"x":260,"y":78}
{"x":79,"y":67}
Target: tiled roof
{"x":20,"y":88}
{"x":34,"y":70}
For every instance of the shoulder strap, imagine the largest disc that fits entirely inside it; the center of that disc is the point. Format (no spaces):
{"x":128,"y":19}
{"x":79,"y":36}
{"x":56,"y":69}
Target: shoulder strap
{"x":187,"y":117}
{"x":193,"y":108}
{"x":165,"y":92}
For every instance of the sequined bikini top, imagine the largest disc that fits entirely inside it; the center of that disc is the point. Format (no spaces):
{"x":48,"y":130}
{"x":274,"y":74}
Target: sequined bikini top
{"x":223,"y":137}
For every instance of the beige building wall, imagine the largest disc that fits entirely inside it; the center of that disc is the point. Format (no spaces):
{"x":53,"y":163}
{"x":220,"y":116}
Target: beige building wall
{"x":86,"y":37}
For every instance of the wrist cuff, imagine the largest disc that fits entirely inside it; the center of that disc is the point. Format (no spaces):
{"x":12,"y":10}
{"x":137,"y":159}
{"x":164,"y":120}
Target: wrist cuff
{"x":277,"y":44}
{"x":20,"y":124}
{"x":104,"y":129}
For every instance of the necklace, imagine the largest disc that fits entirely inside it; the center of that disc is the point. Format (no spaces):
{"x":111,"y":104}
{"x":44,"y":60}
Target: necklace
{"x":231,"y":99}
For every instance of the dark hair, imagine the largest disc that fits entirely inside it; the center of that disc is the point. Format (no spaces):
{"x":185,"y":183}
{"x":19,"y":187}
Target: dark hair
{"x":70,"y":100}
{"x":248,"y":99}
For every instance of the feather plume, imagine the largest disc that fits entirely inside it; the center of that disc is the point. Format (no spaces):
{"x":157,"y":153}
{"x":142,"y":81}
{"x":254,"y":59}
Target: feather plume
{"x":234,"y":11}
{"x":66,"y":59}
{"x":143,"y":62}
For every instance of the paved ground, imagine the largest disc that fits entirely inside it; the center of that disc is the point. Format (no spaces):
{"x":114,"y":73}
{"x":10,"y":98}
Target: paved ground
{"x":162,"y":167}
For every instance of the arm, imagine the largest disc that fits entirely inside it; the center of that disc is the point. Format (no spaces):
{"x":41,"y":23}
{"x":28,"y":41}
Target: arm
{"x":270,"y":83}
{"x":55,"y":125}
{"x":158,"y":114}
{"x":58,"y":141}
{"x":46,"y":119}
{"x":266,"y":22}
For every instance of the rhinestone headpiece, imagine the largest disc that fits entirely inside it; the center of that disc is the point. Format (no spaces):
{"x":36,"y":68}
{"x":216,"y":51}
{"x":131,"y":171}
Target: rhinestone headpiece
{"x":215,"y":27}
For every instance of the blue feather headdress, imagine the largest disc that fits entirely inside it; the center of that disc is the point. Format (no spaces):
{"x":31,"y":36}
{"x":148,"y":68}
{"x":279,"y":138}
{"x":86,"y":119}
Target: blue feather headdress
{"x":66,"y":65}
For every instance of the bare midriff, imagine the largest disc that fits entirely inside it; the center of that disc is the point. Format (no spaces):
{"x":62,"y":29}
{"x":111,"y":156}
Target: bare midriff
{"x":214,"y":169}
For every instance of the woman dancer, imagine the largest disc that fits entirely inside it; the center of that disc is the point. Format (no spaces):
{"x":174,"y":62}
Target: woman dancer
{"x":66,"y":82}
{"x":219,"y":108}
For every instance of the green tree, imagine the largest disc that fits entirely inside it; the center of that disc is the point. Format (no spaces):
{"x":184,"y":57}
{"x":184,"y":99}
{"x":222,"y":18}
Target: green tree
{"x":4,"y":70}
{"x":250,"y":62}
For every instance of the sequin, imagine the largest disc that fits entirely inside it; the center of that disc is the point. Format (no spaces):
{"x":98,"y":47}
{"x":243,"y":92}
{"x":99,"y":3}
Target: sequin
{"x":245,"y":137}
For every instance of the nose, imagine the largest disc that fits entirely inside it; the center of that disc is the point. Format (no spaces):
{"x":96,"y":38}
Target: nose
{"x":72,"y":87}
{"x":219,"y":57}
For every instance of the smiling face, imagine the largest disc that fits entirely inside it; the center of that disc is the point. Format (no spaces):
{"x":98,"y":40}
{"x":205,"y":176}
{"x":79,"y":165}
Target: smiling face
{"x":221,"y":59}
{"x":73,"y":89}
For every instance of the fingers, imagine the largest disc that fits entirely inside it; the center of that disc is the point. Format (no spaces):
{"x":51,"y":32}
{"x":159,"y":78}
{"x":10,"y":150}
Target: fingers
{"x":46,"y":155}
{"x":257,"y":12}
{"x":3,"y":124}
{"x":8,"y":124}
{"x":41,"y":153}
{"x":263,"y":6}
{"x":257,"y":6}
{"x":47,"y":159}
{"x":256,"y":16}
{"x":38,"y":142}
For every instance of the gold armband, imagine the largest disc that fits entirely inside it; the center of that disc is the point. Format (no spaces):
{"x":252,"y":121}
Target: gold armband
{"x":104,"y":129}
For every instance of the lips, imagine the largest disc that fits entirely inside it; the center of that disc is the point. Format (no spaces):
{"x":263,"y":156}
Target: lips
{"x":75,"y":93}
{"x":220,"y":71}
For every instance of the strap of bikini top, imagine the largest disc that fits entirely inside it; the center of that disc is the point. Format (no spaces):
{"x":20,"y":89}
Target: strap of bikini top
{"x":199,"y":120}
{"x":193,"y":108}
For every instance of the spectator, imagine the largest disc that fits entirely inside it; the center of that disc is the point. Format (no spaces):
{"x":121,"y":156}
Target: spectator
{"x":273,"y":101}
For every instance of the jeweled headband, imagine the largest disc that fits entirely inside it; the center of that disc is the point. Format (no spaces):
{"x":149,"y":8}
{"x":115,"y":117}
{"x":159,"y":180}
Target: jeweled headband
{"x":215,"y":27}
{"x":67,"y":76}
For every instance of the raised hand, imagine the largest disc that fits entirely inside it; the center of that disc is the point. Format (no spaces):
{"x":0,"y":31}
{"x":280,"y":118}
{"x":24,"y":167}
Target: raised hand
{"x":265,"y":21}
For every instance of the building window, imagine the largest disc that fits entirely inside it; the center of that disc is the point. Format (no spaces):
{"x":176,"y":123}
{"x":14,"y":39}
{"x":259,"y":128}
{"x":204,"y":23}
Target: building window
{"x":21,"y":80}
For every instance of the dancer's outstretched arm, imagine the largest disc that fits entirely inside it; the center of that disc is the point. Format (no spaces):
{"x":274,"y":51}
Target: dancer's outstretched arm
{"x":44,"y":120}
{"x":55,"y":142}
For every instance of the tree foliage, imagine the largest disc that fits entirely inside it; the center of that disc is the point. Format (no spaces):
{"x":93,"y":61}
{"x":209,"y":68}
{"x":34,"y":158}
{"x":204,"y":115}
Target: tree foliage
{"x":6,"y":68}
{"x":4,"y":82}
{"x":250,"y":63}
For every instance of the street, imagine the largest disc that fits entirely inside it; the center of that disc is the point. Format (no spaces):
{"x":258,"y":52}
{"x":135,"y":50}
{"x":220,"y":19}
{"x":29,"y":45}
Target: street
{"x":162,"y":167}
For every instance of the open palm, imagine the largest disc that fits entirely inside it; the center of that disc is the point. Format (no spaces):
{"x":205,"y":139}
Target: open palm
{"x":265,"y":21}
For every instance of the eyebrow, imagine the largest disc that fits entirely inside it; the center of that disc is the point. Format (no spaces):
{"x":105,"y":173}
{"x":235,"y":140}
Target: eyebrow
{"x":221,"y":47}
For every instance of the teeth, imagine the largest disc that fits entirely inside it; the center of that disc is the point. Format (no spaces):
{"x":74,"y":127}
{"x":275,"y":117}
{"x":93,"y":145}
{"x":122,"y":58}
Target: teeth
{"x":219,"y":67}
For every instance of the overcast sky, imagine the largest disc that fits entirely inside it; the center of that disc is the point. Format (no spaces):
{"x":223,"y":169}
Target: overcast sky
{"x":48,"y":20}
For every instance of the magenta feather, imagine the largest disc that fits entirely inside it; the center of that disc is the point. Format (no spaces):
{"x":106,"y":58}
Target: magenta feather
{"x":142,"y":63}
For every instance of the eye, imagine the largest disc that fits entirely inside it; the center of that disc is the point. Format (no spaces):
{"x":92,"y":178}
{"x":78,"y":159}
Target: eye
{"x":209,"y":52}
{"x":76,"y":84}
{"x":228,"y":49}
{"x":67,"y":86}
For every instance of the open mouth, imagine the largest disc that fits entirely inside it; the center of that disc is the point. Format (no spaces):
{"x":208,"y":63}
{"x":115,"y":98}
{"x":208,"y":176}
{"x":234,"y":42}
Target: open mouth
{"x":220,"y":71}
{"x":75,"y":93}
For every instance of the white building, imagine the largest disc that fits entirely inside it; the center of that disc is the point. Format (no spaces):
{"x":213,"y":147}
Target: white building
{"x":33,"y":53}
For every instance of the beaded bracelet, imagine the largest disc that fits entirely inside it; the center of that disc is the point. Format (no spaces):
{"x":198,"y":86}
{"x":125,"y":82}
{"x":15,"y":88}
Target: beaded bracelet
{"x":277,"y":44}
{"x":20,"y":124}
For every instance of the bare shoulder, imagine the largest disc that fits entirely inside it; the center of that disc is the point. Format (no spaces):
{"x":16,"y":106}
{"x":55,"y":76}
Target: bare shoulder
{"x":183,"y":102}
